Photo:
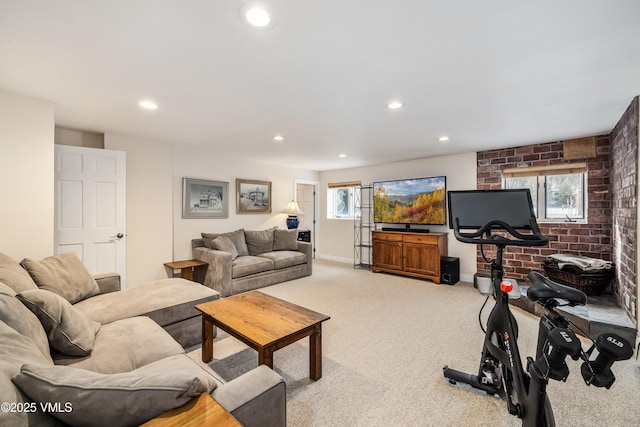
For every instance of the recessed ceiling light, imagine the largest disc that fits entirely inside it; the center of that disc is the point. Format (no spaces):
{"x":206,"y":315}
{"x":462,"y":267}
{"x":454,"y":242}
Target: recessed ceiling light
{"x":443,"y":138}
{"x":278,"y":138}
{"x":149,"y":105}
{"x":256,"y":14}
{"x":342,"y":155}
{"x":395,"y":105}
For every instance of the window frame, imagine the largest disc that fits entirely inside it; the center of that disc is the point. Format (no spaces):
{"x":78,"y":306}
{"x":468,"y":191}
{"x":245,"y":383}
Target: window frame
{"x":332,"y":192}
{"x":541,"y":173}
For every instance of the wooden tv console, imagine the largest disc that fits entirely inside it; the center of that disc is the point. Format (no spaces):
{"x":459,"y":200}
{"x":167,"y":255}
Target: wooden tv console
{"x":409,"y":254}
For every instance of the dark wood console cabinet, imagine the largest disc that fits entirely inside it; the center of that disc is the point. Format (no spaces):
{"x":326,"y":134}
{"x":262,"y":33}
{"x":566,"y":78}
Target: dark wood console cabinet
{"x":409,"y":254}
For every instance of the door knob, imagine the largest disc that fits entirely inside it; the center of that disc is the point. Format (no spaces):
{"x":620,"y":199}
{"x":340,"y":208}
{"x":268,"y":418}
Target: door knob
{"x":117,"y":236}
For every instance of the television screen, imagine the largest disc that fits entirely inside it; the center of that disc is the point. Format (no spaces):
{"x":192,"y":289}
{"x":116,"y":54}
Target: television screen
{"x":410,"y":201}
{"x":474,"y":208}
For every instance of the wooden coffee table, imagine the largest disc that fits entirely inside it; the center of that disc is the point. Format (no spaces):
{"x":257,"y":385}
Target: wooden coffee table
{"x":264,"y":323}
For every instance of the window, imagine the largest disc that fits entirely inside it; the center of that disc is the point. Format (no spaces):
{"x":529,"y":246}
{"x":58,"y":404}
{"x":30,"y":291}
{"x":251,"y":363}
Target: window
{"x":558,"y":192}
{"x":340,"y":200}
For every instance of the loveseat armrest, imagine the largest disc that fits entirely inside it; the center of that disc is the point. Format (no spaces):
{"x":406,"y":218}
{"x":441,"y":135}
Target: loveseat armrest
{"x":108,"y":282}
{"x":307,"y":249}
{"x":219,"y":273}
{"x":257,"y":398}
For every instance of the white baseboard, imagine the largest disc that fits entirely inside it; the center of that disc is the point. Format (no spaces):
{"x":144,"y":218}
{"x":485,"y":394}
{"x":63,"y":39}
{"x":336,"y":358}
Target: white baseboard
{"x":335,"y":259}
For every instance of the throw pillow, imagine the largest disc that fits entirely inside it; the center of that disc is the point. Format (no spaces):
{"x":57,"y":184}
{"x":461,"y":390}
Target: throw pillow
{"x":13,"y":275}
{"x":207,"y":238}
{"x":223,"y":243}
{"x":70,"y":331}
{"x":259,"y":242}
{"x":285,"y":240}
{"x":20,"y":318}
{"x":93,"y":399}
{"x":236,"y":237}
{"x":63,"y":274}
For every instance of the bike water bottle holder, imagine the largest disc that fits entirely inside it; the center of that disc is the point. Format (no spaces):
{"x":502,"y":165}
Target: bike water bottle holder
{"x":485,"y":287}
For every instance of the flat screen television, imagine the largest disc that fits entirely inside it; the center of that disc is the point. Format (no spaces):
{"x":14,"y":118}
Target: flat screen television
{"x":419,"y":201}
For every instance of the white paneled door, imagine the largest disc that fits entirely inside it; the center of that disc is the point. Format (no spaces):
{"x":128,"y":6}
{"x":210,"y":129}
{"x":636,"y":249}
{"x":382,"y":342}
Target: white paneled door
{"x":306,"y":199}
{"x":90,"y":211}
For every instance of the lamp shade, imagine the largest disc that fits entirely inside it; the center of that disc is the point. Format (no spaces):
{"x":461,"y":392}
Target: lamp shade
{"x":292,"y":209}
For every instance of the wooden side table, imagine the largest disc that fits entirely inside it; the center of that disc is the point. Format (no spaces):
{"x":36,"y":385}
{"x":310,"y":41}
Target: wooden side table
{"x":199,"y":412}
{"x":186,"y":267}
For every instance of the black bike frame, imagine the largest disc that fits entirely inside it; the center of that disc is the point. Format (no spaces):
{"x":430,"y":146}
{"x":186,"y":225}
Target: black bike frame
{"x":529,"y":388}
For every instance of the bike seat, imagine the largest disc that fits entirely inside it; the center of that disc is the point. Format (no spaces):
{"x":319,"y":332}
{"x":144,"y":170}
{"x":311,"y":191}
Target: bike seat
{"x":543,"y":289}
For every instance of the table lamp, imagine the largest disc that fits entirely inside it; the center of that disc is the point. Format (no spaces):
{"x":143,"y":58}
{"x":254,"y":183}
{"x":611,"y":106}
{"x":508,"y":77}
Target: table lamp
{"x":293,"y":211}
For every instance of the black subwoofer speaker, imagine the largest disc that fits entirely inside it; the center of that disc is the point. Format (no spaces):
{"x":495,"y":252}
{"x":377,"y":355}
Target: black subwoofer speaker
{"x":449,"y":270}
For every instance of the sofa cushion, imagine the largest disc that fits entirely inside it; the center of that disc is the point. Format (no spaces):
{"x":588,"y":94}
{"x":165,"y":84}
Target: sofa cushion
{"x":284,"y":259}
{"x":69,"y":330}
{"x":285,"y":240}
{"x":20,"y":318}
{"x":237,"y":237}
{"x":125,"y":345}
{"x":223,"y":243}
{"x":247,"y":265}
{"x":126,"y":399}
{"x":166,"y":301}
{"x":63,"y":274}
{"x":14,"y":275}
{"x":16,"y":350}
{"x":259,"y":242}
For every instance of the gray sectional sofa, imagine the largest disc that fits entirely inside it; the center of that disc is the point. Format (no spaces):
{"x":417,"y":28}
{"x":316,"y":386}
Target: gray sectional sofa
{"x":74,"y":350}
{"x":244,"y":260}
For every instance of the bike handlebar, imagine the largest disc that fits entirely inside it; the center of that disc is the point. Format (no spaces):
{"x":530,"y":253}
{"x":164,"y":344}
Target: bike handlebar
{"x":534,"y":239}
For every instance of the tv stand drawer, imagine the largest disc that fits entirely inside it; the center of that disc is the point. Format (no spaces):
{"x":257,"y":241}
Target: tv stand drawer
{"x":387,"y":237}
{"x":428,"y":239}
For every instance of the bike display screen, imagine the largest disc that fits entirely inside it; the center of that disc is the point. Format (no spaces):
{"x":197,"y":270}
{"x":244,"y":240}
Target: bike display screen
{"x":474,"y":208}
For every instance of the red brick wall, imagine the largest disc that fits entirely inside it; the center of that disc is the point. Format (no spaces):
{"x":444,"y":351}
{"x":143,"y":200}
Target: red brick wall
{"x":624,"y":167}
{"x":592,"y":239}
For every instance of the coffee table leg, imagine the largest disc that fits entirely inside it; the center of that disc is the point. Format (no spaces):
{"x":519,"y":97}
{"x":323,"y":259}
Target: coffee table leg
{"x":315,"y":353}
{"x":265,"y":357}
{"x":207,"y":338}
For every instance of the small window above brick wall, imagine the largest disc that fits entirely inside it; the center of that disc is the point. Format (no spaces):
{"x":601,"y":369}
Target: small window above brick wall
{"x":558,"y":191}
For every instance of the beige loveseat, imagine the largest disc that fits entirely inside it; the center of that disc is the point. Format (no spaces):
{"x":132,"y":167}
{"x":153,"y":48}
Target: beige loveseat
{"x":77,"y":351}
{"x":244,"y":260}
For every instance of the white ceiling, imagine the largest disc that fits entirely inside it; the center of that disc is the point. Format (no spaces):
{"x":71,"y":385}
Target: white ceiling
{"x":490,"y":74}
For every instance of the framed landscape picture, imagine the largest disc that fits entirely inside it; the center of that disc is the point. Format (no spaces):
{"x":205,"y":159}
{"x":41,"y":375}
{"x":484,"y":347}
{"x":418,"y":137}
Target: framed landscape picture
{"x":204,"y":199}
{"x":253,"y":196}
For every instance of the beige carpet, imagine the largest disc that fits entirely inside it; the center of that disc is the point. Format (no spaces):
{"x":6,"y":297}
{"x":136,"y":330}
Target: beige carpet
{"x":383,"y":352}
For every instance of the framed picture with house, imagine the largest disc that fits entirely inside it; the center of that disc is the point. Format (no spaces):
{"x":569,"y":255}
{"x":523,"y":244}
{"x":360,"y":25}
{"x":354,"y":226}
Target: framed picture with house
{"x":253,"y":196}
{"x":204,"y":199}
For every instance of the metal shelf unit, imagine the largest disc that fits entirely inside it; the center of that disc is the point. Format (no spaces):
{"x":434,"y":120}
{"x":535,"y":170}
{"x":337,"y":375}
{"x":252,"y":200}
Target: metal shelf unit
{"x":362,"y":226}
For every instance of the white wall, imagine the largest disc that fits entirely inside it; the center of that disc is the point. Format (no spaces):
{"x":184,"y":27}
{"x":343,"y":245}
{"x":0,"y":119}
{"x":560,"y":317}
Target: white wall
{"x":149,"y":205}
{"x":196,"y":162}
{"x":26,"y":176}
{"x":156,"y":231}
{"x":337,"y":235}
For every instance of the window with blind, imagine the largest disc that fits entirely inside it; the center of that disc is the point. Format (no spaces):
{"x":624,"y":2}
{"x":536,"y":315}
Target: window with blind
{"x":558,"y":192}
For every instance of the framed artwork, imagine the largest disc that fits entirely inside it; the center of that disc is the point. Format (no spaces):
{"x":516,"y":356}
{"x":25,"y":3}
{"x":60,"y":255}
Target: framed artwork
{"x":204,"y":199}
{"x":253,"y":196}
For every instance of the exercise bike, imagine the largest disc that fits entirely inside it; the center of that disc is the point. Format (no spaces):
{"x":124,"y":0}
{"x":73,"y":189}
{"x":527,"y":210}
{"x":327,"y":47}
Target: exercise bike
{"x":506,"y":218}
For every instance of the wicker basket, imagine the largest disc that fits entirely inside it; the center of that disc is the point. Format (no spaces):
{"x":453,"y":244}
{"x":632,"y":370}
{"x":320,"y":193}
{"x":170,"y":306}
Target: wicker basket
{"x":591,"y":283}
